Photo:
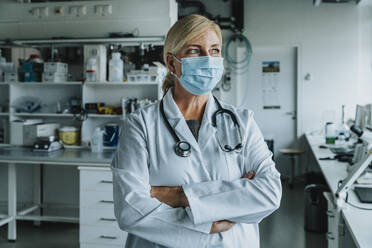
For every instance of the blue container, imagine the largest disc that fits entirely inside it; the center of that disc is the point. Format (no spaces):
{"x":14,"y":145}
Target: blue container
{"x":111,"y":135}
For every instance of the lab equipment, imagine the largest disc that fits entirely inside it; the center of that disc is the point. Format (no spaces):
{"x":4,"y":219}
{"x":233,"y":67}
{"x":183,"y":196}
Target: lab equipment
{"x":97,"y":52}
{"x":32,"y":69}
{"x":75,"y":105}
{"x":183,"y":148}
{"x":91,"y":70}
{"x":200,"y":74}
{"x":11,"y":77}
{"x":54,"y":77}
{"x":243,"y":64}
{"x":359,"y":117}
{"x":58,"y":67}
{"x":360,"y":166}
{"x":69,"y":135}
{"x":364,"y":194}
{"x":97,"y":140}
{"x":330,"y":133}
{"x":116,"y":68}
{"x":47,"y":144}
{"x":368,"y":116}
{"x":111,"y":134}
{"x":27,"y":104}
{"x":28,"y":131}
{"x":92,"y":107}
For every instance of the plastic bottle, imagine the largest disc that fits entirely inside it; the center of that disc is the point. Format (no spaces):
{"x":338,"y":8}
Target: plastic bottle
{"x":341,"y":139}
{"x":91,"y":70}
{"x":331,"y":133}
{"x":97,"y":140}
{"x":116,"y":68}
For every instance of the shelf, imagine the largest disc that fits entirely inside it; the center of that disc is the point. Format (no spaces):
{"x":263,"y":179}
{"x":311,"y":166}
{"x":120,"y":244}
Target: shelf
{"x":120,"y":83}
{"x":45,"y":83}
{"x":5,"y":145}
{"x":104,"y":116}
{"x":146,"y":40}
{"x":4,"y":114}
{"x":42,"y":115}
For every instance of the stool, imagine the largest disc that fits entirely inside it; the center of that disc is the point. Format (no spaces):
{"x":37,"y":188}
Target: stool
{"x":292,"y":154}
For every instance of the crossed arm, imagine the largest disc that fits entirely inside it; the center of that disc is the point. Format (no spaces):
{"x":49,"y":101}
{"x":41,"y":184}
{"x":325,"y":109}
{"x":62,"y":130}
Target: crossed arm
{"x":175,"y":197}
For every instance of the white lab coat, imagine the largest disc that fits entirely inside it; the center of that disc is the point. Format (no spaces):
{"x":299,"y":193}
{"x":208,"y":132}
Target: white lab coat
{"x":210,"y":177}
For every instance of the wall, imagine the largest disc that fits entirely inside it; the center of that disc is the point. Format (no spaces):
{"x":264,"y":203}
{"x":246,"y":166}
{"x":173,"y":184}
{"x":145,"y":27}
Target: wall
{"x":85,"y":19}
{"x":334,"y":42}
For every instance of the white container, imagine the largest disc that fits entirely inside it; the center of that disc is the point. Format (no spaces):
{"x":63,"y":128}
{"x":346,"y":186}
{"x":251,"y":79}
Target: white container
{"x":116,"y":68}
{"x":97,"y":140}
{"x":99,"y":53}
{"x":56,"y":67}
{"x":11,"y":77}
{"x":69,"y":135}
{"x":91,"y":70}
{"x":54,"y":77}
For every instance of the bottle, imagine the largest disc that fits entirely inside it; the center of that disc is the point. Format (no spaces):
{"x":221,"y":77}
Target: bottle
{"x":343,"y":128}
{"x":341,"y":139}
{"x":97,"y":140}
{"x":91,"y":70}
{"x":116,"y":68}
{"x":331,"y":133}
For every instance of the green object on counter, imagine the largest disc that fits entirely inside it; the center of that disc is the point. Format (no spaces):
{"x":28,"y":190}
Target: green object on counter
{"x":330,"y":140}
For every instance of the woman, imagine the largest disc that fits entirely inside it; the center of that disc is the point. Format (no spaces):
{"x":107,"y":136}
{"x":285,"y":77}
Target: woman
{"x":190,"y":171}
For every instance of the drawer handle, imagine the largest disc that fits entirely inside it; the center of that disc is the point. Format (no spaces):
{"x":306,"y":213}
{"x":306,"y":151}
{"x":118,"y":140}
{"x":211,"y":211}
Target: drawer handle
{"x":107,"y":237}
{"x":107,"y":219}
{"x":106,"y":181}
{"x":330,"y":214}
{"x":105,"y":201}
{"x":330,"y":236}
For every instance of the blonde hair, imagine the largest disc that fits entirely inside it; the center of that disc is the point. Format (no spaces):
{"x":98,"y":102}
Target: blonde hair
{"x":181,"y":32}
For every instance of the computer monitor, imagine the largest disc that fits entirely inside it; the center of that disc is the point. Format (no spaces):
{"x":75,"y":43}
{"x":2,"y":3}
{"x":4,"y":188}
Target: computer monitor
{"x":368,"y":116}
{"x":360,"y":117}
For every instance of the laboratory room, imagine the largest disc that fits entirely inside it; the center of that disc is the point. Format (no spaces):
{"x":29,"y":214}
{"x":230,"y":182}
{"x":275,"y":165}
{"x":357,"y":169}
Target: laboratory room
{"x":186,"y":124}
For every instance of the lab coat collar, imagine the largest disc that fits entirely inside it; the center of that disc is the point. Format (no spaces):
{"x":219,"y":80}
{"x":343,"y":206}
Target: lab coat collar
{"x":173,"y":112}
{"x":177,"y":121}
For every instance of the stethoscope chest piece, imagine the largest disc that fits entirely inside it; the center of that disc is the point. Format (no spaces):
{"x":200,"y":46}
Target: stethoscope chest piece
{"x":182,"y":148}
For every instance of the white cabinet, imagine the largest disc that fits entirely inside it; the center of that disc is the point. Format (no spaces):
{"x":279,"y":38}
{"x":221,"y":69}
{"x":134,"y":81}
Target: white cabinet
{"x":98,"y":226}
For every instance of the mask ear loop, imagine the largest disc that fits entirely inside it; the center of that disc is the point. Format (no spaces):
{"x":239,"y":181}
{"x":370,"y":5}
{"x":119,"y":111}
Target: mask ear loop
{"x":179,"y":61}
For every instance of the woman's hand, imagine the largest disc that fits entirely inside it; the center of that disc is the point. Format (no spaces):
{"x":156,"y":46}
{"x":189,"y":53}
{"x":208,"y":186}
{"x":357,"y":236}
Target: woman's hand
{"x":249,"y":175}
{"x":172,"y":196}
{"x":221,"y":226}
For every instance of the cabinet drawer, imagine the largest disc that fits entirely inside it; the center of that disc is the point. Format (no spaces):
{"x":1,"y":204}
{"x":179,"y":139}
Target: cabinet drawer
{"x":101,"y":217}
{"x":96,"y":180}
{"x":89,"y":245}
{"x":102,"y":235}
{"x":96,"y":200}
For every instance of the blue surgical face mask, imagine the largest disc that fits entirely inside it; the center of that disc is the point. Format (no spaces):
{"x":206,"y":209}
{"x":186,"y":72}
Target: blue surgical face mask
{"x":200,"y":74}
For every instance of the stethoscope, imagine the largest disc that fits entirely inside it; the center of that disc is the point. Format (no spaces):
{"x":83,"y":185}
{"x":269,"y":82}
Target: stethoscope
{"x":183,"y":148}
